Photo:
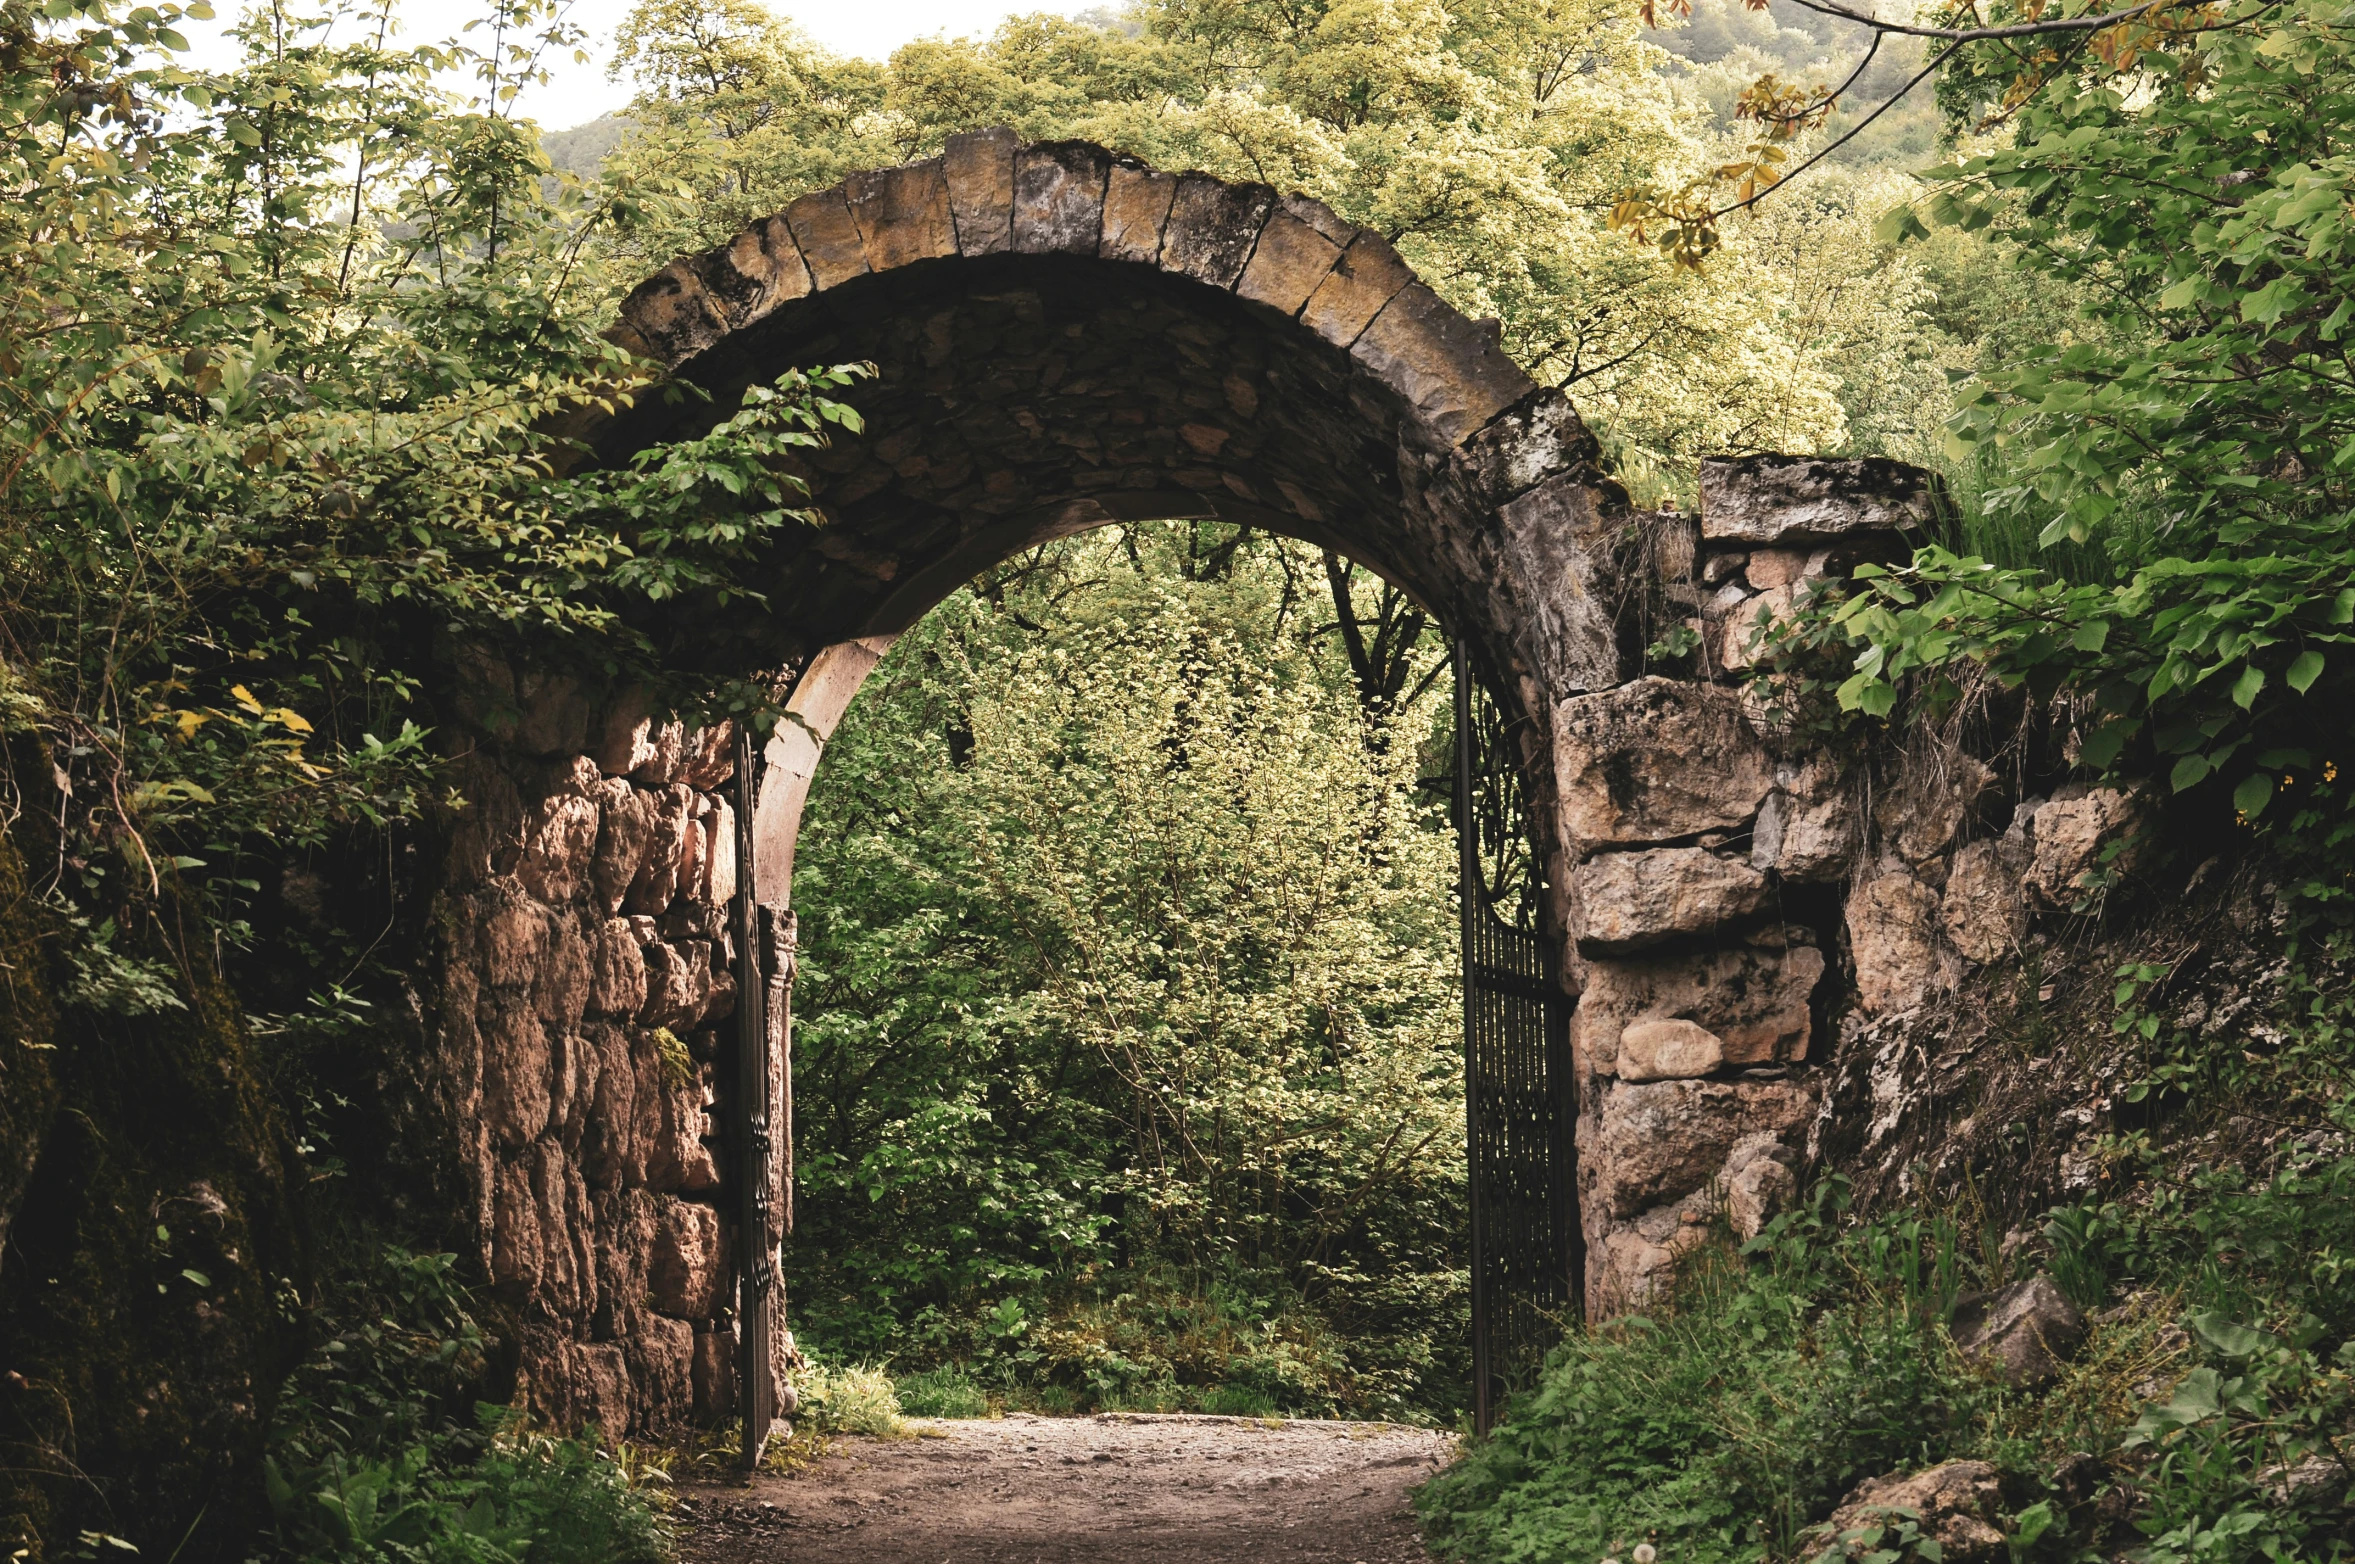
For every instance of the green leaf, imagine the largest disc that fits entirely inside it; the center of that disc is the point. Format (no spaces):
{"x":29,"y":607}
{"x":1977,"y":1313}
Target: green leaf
{"x":2245,"y":689}
{"x":198,"y":1277}
{"x":2091,"y":636}
{"x":2304,"y":671}
{"x":2226,"y":1335}
{"x":2254,"y":793}
{"x":2189,"y":772}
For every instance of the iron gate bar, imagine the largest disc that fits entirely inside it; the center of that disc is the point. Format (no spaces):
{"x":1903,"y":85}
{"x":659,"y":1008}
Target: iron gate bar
{"x":1519,"y":1096}
{"x":755,"y":1269}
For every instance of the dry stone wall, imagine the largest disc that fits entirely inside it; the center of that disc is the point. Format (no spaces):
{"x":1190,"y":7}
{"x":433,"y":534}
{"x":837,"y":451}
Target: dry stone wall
{"x":585,"y":971}
{"x":1740,"y":895}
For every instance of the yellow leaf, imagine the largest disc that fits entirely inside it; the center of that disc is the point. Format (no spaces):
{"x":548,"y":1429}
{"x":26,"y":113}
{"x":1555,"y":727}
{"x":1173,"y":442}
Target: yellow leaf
{"x":244,"y":697}
{"x":290,"y":719}
{"x":190,"y":721}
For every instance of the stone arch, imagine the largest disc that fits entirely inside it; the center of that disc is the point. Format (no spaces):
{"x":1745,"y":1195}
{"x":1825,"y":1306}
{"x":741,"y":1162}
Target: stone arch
{"x":1066,"y":338}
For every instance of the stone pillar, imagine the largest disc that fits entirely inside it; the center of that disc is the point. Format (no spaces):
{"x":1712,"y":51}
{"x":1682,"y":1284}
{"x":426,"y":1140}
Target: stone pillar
{"x":585,"y":971}
{"x":1703,"y":915}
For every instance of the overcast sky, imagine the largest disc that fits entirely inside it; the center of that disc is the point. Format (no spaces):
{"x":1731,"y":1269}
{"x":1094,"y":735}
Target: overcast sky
{"x":579,"y":93}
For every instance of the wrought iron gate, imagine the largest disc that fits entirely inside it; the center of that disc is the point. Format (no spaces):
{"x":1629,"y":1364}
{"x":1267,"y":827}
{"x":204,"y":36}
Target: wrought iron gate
{"x":1519,"y":1096}
{"x":760,"y":1129}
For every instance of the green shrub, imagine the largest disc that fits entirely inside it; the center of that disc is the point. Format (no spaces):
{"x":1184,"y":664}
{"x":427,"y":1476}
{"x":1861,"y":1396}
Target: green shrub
{"x":857,"y":1398}
{"x":378,"y":1454}
{"x":949,"y":1391}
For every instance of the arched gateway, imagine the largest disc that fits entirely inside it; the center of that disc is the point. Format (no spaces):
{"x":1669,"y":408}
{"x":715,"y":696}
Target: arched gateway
{"x":1064,"y":338}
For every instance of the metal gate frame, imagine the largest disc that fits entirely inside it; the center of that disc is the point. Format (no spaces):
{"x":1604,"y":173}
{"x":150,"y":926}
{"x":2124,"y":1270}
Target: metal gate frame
{"x":761,"y":1127}
{"x":1520,"y":1097}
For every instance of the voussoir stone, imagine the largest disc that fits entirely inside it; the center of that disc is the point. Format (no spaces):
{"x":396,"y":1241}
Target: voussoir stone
{"x":1753,"y":1000}
{"x":1289,"y":262}
{"x":1136,"y":209}
{"x":828,"y":236}
{"x":760,"y":269}
{"x":1452,"y":371}
{"x":1212,"y":228}
{"x":1368,"y":275}
{"x":1059,"y":197}
{"x":1656,"y":760}
{"x":1788,"y":501}
{"x":979,"y":167}
{"x":902,"y":214}
{"x":1626,"y":901}
{"x":667,"y":317}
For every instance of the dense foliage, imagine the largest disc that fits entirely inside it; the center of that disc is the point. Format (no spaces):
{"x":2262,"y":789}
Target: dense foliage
{"x":1125,"y":1055}
{"x":2184,"y":460}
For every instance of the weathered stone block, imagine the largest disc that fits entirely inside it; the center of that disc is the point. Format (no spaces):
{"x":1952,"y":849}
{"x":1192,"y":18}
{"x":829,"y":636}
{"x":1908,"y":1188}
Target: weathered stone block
{"x":2071,"y":831}
{"x":715,"y":1373}
{"x":514,"y":937}
{"x":1807,"y":828}
{"x":1557,"y":537}
{"x":1450,"y":370}
{"x":1289,"y":262}
{"x":667,"y":317}
{"x":560,"y":982}
{"x":1956,"y":1505}
{"x":1668,"y":1050}
{"x":760,"y":269}
{"x":828,"y":236}
{"x":688,"y":1269}
{"x":1984,"y":910}
{"x":979,"y":167}
{"x":1367,"y":277}
{"x":1059,"y":197}
{"x":1786,"y":501}
{"x":902,"y":214}
{"x":1761,"y":1179}
{"x":2023,"y":1332}
{"x":1656,"y":760}
{"x":514,"y":1071}
{"x":1212,"y":226}
{"x":1893,"y":936}
{"x":558,"y":843}
{"x":1754,"y":1001}
{"x":1136,"y":208}
{"x":1662,"y":1140}
{"x":627,"y":818}
{"x":1626,"y":901}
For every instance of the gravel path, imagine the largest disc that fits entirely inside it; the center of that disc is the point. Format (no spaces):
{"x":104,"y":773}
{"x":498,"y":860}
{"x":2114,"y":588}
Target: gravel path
{"x":1119,"y":1488}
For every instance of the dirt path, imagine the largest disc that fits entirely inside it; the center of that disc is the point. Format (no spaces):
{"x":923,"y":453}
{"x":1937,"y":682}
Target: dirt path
{"x":1120,"y":1488}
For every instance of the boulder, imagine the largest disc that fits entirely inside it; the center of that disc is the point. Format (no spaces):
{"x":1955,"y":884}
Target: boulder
{"x":1629,"y":900}
{"x":1958,"y":1503}
{"x":1753,"y":1001}
{"x":1894,"y":936}
{"x":1655,"y":761}
{"x":1792,"y":501}
{"x":2023,"y":1333}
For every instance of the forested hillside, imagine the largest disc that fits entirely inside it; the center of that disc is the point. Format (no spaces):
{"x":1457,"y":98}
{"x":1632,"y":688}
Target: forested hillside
{"x":1125,"y":1037}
